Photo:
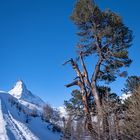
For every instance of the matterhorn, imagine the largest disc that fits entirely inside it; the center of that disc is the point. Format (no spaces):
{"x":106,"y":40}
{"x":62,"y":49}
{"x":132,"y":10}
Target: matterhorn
{"x":21,"y":116}
{"x":21,"y":92}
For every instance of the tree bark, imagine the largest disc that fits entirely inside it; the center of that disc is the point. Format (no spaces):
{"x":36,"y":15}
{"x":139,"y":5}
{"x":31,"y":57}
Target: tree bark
{"x":81,"y":83}
{"x":117,"y":127}
{"x":99,"y":112}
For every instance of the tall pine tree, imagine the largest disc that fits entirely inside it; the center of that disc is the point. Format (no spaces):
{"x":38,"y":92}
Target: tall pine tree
{"x":104,"y":35}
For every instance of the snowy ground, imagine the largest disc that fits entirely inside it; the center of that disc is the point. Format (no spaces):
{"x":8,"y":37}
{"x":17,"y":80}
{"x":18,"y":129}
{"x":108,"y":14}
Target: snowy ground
{"x":3,"y":134}
{"x":13,"y":126}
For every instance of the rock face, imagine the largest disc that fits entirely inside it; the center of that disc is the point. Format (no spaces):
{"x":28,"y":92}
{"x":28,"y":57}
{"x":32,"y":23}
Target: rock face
{"x":21,"y":92}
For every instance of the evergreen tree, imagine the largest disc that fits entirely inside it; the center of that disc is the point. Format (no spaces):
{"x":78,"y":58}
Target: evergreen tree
{"x":103,"y":34}
{"x":131,"y":126}
{"x":132,"y":83}
{"x":74,"y":106}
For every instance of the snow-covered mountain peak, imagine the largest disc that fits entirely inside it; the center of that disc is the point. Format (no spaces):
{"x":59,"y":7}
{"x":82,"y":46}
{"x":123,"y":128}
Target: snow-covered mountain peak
{"x":19,"y":89}
{"x":21,"y":92}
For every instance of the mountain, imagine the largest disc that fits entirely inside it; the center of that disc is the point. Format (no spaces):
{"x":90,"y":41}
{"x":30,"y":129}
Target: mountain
{"x":15,"y":124}
{"x":21,"y":92}
{"x":21,"y":116}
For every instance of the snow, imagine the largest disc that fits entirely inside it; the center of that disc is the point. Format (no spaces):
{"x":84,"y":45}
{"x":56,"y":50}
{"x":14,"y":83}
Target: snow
{"x":3,"y":135}
{"x":62,"y":110}
{"x":14,"y":127}
{"x":21,"y":92}
{"x":27,"y":134}
{"x":125,"y":96}
{"x":30,"y":106}
{"x":18,"y":89}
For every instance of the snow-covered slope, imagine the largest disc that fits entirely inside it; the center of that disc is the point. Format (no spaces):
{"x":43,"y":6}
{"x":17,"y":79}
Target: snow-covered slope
{"x":125,"y":96}
{"x":13,"y":121}
{"x":21,"y":92}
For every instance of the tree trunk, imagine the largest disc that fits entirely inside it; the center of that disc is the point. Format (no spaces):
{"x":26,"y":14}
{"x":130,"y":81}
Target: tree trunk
{"x":88,"y":121}
{"x":99,"y":111}
{"x":105,"y":124}
{"x":117,"y":127}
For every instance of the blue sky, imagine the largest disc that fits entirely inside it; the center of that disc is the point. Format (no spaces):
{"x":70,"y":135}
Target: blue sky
{"x":37,"y":36}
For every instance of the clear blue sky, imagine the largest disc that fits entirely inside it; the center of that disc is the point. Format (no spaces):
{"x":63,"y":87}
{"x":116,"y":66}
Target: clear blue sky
{"x":37,"y":36}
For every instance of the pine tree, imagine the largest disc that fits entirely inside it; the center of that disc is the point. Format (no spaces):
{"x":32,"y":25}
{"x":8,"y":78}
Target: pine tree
{"x":74,"y":106}
{"x":131,"y":126}
{"x":132,"y":83}
{"x":104,"y":35}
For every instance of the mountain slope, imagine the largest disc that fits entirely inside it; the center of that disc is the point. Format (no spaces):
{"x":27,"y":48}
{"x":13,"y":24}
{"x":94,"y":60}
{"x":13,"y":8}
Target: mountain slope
{"x":21,"y":92}
{"x":14,"y":124}
{"x":3,"y":135}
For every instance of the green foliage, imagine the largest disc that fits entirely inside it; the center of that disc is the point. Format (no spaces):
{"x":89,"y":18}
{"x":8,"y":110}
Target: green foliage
{"x":132,"y":83}
{"x":103,"y":33}
{"x":74,"y":106}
